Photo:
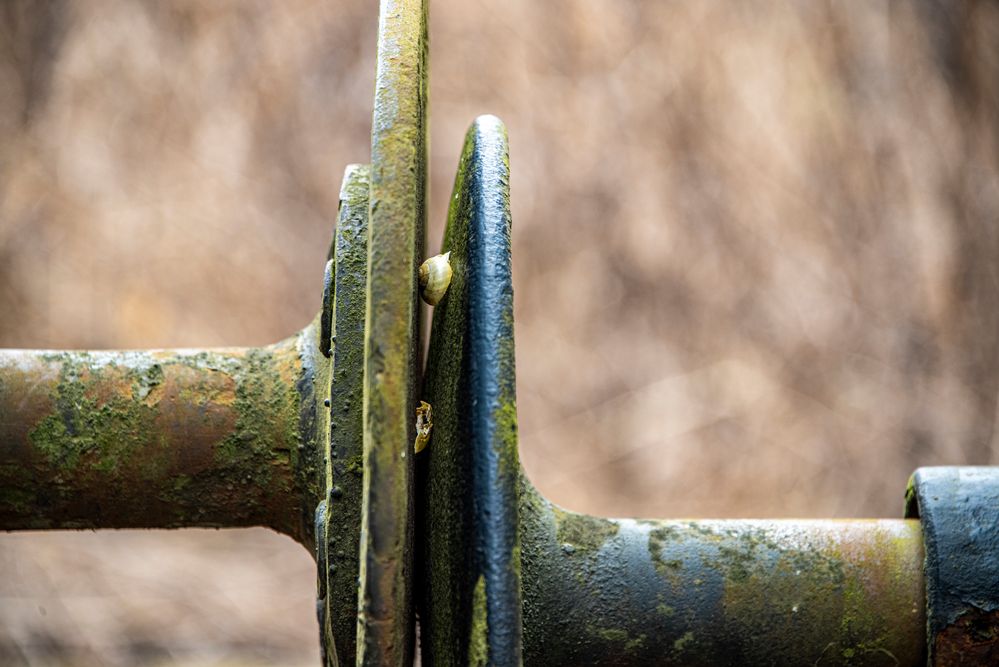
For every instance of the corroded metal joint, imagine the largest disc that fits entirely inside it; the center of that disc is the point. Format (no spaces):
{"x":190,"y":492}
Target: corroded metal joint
{"x":314,"y":437}
{"x":959,"y":511}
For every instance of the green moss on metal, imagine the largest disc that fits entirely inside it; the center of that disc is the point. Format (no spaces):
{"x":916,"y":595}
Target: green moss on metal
{"x":634,"y":644}
{"x":478,"y":644}
{"x":784,"y":592}
{"x":665,"y":610}
{"x":355,"y":465}
{"x":267,"y":417}
{"x":515,"y":561}
{"x":585,"y":533}
{"x":396,"y":234}
{"x":505,"y":442}
{"x":624,"y":643}
{"x":153,"y":439}
{"x":684,"y":642}
{"x":610,"y":634}
{"x":342,"y":424}
{"x":99,"y":418}
{"x":658,"y":537}
{"x":830,"y":586}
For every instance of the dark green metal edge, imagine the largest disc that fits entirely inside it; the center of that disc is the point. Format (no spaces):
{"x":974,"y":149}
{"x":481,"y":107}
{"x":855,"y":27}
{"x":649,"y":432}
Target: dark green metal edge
{"x":395,"y":249}
{"x":338,"y":550}
{"x":468,"y":479}
{"x":611,"y":591}
{"x":956,"y":506}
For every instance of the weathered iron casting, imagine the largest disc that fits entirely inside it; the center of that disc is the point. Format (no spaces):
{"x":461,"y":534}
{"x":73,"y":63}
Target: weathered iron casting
{"x":313,"y":437}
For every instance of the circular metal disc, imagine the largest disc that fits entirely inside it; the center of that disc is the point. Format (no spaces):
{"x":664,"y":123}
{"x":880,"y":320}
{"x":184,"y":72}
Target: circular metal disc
{"x":470,"y":606}
{"x":396,"y":224}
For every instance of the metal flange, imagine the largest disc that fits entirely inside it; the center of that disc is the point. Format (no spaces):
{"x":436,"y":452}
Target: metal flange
{"x":337,"y":551}
{"x":507,"y":577}
{"x":469,"y":477}
{"x":375,"y":368}
{"x":958,"y":508}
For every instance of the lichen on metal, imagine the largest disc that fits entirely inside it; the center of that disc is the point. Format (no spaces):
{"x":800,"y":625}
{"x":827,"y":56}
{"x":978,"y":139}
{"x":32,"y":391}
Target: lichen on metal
{"x":338,"y":556}
{"x":613,"y":591}
{"x":635,"y":592}
{"x":314,"y":437}
{"x":154,"y":439}
{"x":468,"y":479}
{"x":396,"y":223}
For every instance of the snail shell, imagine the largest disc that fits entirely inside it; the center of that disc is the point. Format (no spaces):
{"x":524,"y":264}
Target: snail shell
{"x":424,"y":422}
{"x":435,"y":276}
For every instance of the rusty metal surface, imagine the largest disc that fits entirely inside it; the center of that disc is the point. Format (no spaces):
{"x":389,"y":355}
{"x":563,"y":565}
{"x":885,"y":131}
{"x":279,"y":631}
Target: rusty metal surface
{"x":957,"y":507}
{"x":396,"y":225}
{"x":313,"y":437}
{"x":156,"y":439}
{"x":626,"y":592}
{"x":470,"y":606}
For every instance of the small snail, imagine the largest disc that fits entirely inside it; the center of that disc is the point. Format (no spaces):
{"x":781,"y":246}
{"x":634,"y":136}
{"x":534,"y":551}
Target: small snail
{"x":435,"y":276}
{"x":423,"y":425}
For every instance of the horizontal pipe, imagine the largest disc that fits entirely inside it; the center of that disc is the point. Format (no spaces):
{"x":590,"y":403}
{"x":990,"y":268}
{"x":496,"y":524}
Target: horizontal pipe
{"x":157,"y":439}
{"x":624,"y":592}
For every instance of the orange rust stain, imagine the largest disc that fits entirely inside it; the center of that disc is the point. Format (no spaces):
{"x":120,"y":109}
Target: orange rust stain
{"x":194,"y":411}
{"x":110,"y":384}
{"x":198,"y":386}
{"x":25,"y":400}
{"x":972,"y":640}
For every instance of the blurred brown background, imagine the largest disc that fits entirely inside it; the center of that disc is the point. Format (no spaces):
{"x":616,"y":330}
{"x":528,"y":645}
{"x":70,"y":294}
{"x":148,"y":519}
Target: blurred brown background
{"x":755,"y":256}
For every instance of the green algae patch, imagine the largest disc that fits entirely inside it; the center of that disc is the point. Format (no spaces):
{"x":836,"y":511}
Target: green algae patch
{"x":478,"y":638}
{"x":355,"y":465}
{"x":830,"y":598}
{"x":266,"y":422}
{"x":659,"y":537}
{"x":340,"y":429}
{"x":624,"y":643}
{"x":97,"y":421}
{"x":584,"y":533}
{"x":155,"y":439}
{"x":684,"y":642}
{"x":505,"y":438}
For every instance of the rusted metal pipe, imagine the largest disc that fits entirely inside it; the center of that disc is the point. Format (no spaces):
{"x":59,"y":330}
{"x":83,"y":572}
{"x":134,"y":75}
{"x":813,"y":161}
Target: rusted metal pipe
{"x":626,"y":592}
{"x":156,"y":439}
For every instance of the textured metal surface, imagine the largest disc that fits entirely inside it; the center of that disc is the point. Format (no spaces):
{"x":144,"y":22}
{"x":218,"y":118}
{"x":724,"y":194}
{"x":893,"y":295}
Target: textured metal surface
{"x":959,"y":511}
{"x":396,"y":223}
{"x":157,"y":439}
{"x":314,"y":437}
{"x":469,"y":475}
{"x":613,"y":592}
{"x":337,"y":555}
{"x":626,"y":592}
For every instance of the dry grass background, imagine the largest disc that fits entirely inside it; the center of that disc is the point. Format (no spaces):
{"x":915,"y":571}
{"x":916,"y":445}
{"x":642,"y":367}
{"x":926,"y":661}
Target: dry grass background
{"x":755,"y":256}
